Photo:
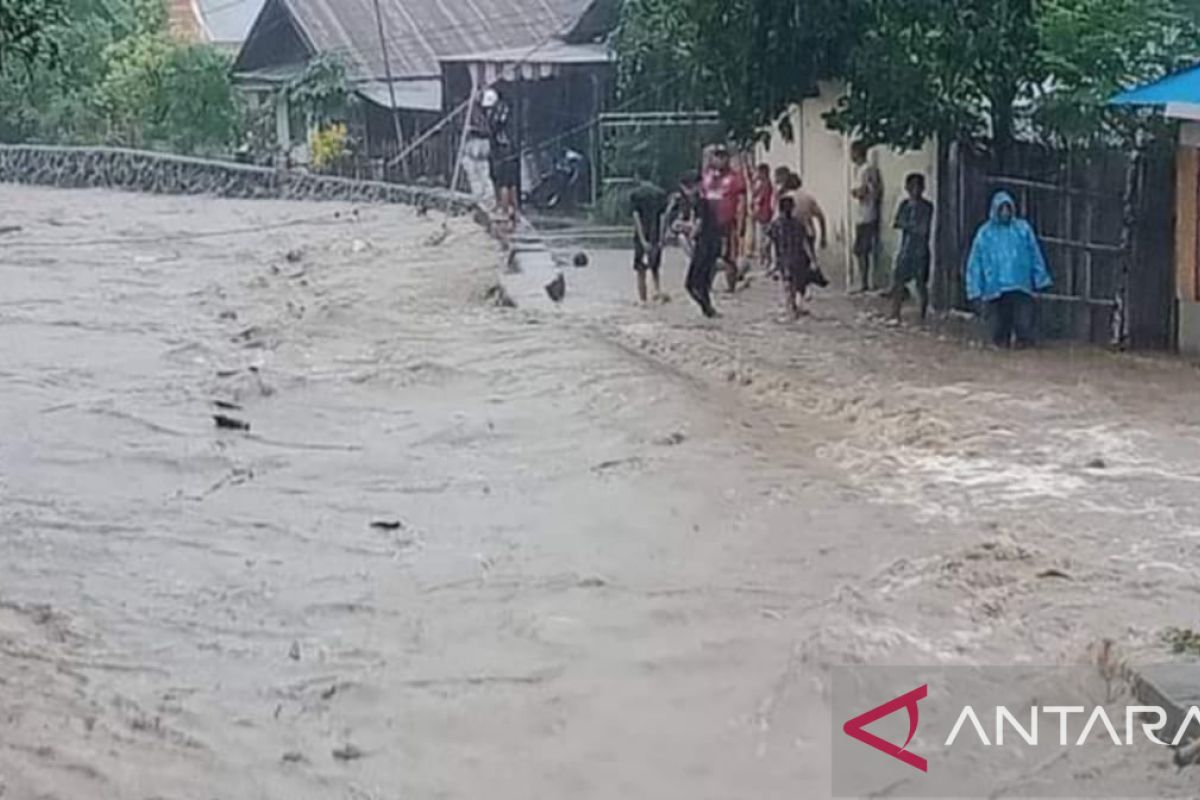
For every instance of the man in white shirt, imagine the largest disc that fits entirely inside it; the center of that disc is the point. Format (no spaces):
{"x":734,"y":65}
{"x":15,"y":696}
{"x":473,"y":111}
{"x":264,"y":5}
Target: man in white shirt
{"x":868,"y":196}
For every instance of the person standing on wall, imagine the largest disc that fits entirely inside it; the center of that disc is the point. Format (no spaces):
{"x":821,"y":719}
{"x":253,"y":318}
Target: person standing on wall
{"x":1006,"y":267}
{"x":477,"y":150}
{"x":503,"y":157}
{"x":868,"y":196}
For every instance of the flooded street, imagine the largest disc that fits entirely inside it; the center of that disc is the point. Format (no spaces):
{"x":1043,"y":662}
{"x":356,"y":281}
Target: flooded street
{"x":463,"y":551}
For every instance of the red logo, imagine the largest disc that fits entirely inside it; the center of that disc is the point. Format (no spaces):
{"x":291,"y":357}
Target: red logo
{"x":856,"y":728}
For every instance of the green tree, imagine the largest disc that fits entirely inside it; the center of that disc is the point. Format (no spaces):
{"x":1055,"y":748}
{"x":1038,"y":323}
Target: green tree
{"x":24,"y":30}
{"x":960,"y":69}
{"x":322,"y":91}
{"x":1093,"y":48}
{"x":132,"y":92}
{"x":955,"y":68}
{"x":748,"y":59}
{"x":657,"y":70}
{"x":115,"y":76}
{"x":201,"y":106}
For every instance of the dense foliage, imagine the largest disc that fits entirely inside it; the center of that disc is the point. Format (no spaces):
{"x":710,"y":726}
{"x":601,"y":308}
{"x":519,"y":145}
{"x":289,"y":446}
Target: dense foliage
{"x":748,"y":59}
{"x":322,"y":91}
{"x":1091,"y":49}
{"x":955,"y":67}
{"x":24,"y":27}
{"x":970,"y":69}
{"x":107,"y":72}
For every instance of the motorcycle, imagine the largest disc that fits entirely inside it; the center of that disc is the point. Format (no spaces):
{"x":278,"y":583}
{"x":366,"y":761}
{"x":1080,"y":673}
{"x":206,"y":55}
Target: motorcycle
{"x":561,"y":186}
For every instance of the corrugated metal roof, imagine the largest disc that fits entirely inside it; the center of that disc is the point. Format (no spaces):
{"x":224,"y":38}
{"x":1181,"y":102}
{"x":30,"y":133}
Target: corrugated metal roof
{"x":555,"y":52}
{"x":530,"y":63}
{"x":419,"y":31}
{"x":1180,"y":87}
{"x":228,"y":21}
{"x":422,"y":94}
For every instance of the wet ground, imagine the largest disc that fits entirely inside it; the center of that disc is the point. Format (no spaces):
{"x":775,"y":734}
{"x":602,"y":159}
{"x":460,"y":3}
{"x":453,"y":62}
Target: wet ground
{"x":462,"y":551}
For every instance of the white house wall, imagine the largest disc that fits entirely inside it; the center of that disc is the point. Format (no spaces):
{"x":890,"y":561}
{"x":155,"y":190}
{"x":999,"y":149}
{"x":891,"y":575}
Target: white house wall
{"x":822,"y":158}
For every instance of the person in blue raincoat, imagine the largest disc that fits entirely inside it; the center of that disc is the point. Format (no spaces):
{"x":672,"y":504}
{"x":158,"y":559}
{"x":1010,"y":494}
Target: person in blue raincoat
{"x":1005,"y":269}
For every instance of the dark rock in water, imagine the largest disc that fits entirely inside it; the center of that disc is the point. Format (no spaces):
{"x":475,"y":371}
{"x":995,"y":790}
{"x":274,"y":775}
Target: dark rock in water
{"x":512,"y":265}
{"x":498,"y":297}
{"x":294,"y":652}
{"x":672,"y":440}
{"x":348,"y":752}
{"x":251,"y":336}
{"x":580,"y":260}
{"x":294,"y":256}
{"x":230,"y":424}
{"x":557,"y":288}
{"x":439,"y":238}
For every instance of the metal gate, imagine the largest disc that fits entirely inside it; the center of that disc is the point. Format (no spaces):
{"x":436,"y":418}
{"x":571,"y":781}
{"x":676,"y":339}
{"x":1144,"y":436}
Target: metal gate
{"x":665,"y":143}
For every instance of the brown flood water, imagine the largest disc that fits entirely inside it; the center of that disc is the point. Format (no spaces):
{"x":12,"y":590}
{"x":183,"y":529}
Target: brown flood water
{"x":596,"y":551}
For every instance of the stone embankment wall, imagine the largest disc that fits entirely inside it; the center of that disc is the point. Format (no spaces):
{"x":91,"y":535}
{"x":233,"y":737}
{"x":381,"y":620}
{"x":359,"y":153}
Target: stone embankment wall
{"x":137,"y":170}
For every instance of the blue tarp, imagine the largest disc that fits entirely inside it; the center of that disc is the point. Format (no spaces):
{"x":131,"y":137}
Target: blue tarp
{"x":1181,"y":87}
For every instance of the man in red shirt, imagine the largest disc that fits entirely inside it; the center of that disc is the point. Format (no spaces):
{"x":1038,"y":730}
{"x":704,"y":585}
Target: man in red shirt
{"x":725,"y":188}
{"x":763,"y":205}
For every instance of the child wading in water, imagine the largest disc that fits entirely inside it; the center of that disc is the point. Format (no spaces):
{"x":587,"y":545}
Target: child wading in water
{"x":914,"y":219}
{"x":793,"y":255}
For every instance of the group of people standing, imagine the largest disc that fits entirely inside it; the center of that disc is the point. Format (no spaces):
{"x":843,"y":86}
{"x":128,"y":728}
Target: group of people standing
{"x":711,"y":209}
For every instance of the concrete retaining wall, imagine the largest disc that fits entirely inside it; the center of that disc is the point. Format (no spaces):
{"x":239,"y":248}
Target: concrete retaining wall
{"x":136,"y":170}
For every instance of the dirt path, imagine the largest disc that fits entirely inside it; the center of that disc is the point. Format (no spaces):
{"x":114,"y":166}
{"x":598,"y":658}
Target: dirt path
{"x":468,"y":552}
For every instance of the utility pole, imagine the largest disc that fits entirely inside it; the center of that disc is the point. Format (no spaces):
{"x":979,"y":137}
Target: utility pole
{"x":387,"y":73}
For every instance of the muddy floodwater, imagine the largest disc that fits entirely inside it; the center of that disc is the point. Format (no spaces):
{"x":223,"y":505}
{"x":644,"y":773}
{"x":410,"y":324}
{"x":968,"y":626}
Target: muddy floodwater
{"x":464,"y":551}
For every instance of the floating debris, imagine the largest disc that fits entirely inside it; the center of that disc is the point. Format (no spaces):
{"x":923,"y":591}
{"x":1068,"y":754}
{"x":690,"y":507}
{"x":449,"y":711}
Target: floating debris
{"x":672,"y":440}
{"x":230,"y":424}
{"x":348,"y":752}
{"x":497,"y":296}
{"x":556,"y":289}
{"x":1054,"y":573}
